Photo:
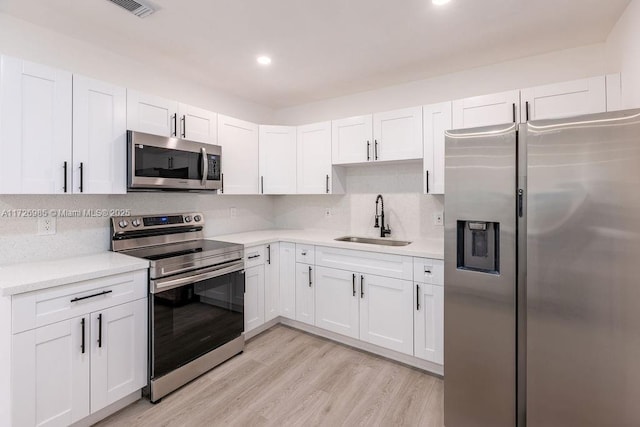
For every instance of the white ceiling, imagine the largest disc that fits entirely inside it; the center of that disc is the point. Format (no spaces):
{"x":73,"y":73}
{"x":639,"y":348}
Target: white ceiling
{"x":324,"y":48}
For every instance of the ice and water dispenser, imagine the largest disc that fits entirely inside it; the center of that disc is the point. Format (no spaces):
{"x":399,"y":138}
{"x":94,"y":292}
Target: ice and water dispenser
{"x":479,"y":246}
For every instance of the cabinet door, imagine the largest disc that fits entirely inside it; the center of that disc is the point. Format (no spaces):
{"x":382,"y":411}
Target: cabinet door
{"x":278,"y":159}
{"x":314,"y":158}
{"x":487,"y":110}
{"x":288,"y":280}
{"x":429,"y":323}
{"x":397,"y":135}
{"x":240,"y":159}
{"x":99,"y":137}
{"x":386,"y":313}
{"x":35,"y":136}
{"x":253,"y":297}
{"x":566,"y":99}
{"x":305,"y":293}
{"x":151,"y":114}
{"x":50,"y":383}
{"x":197,"y":124}
{"x":272,"y":281}
{"x":352,"y":140}
{"x":437,"y":120}
{"x":337,"y":301}
{"x":118,"y":352}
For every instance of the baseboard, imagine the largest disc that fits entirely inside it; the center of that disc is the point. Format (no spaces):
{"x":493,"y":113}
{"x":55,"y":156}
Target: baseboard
{"x":430,"y":367}
{"x":260,"y":329}
{"x":109,"y":410}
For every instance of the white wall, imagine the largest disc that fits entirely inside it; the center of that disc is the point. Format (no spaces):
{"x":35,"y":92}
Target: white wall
{"x":28,"y":41}
{"x":586,"y":61}
{"x":623,"y":54}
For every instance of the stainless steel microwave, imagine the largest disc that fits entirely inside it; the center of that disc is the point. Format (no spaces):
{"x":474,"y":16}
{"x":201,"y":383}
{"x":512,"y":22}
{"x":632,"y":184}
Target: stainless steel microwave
{"x":164,"y":163}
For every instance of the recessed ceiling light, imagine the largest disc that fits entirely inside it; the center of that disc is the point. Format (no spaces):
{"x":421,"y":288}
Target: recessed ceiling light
{"x":263,"y":60}
{"x":440,"y":2}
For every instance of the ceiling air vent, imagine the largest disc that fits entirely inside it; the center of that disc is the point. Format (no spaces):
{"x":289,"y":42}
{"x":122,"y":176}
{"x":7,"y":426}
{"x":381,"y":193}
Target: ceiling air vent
{"x":137,"y":8}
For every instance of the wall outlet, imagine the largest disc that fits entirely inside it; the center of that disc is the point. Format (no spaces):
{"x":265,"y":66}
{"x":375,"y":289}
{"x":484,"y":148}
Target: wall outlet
{"x":327,"y":212}
{"x":233,"y":212}
{"x":46,"y":226}
{"x":438,"y":218}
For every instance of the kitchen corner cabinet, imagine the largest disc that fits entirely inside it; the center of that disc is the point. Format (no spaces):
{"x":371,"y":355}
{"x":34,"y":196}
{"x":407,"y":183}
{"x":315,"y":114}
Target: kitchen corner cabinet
{"x":314,"y":168}
{"x":305,"y":293}
{"x":565,"y":99}
{"x":288,"y":280}
{"x":272,"y":281}
{"x":99,"y":137}
{"x":397,"y":135}
{"x":165,"y":117}
{"x":277,"y":160}
{"x":437,"y":120}
{"x":240,"y":161}
{"x":487,"y":110}
{"x":75,"y":357}
{"x":35,"y":136}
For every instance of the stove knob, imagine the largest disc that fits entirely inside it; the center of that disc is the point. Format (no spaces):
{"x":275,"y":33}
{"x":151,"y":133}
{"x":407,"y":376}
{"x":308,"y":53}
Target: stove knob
{"x":123,"y":223}
{"x":187,"y":218}
{"x":197,"y":218}
{"x":135,"y":223}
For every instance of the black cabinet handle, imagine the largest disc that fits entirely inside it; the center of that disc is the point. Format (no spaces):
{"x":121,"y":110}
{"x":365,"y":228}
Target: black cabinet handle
{"x":375,"y":150}
{"x":222,"y":183}
{"x":268,"y":254}
{"x":253,"y":256}
{"x":262,"y":185}
{"x":100,"y":330}
{"x":82,"y":323}
{"x":361,"y":286}
{"x":174,"y":132}
{"x":353,"y":284}
{"x":368,"y":151}
{"x":327,"y":184}
{"x":310,"y":281}
{"x":514,"y":112}
{"x":91,"y":296}
{"x":184,"y":126}
{"x":427,"y":272}
{"x":81,"y":177}
{"x":64,"y":167}
{"x":418,"y":297}
{"x":427,"y":182}
{"x":527,"y":109}
{"x":520,"y":203}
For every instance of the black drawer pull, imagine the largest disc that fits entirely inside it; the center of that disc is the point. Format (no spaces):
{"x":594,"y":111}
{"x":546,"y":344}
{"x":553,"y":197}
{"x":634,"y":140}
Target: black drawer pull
{"x":254,"y":256}
{"x":91,"y":296}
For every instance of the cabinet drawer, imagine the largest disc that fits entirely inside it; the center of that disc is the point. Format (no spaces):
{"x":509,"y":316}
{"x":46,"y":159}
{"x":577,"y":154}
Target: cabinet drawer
{"x":254,"y":256}
{"x":305,"y":253}
{"x":426,"y":270}
{"x":35,"y":309}
{"x":381,"y":264}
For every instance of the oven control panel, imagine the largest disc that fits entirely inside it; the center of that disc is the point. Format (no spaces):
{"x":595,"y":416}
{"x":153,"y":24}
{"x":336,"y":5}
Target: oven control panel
{"x":137,"y":223}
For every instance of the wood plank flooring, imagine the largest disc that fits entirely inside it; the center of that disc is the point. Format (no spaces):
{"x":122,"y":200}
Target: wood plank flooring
{"x":286,"y":377}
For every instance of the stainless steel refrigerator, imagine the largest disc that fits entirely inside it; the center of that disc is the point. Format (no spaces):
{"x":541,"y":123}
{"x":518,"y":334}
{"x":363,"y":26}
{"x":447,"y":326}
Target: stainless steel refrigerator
{"x":542,"y":273}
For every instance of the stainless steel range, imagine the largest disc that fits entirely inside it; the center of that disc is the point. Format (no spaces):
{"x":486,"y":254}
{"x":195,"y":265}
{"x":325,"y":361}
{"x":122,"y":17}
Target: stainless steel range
{"x":196,"y":303}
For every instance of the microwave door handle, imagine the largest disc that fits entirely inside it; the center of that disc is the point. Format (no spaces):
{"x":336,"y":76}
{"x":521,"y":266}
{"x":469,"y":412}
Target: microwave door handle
{"x":205,"y":166}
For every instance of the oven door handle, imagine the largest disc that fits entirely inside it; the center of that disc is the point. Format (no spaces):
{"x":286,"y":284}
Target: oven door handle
{"x":166,"y":284}
{"x":205,"y":166}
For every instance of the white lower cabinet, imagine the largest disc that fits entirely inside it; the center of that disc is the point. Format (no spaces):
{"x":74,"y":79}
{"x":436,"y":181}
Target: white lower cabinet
{"x":272,"y":281}
{"x":337,"y":301}
{"x":305,"y":293}
{"x":288,"y":280}
{"x":429,"y":323}
{"x":253,"y":297}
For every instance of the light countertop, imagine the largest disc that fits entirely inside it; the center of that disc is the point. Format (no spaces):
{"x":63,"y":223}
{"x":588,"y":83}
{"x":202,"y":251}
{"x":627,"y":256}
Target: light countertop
{"x":34,"y":276}
{"x":425,"y":248}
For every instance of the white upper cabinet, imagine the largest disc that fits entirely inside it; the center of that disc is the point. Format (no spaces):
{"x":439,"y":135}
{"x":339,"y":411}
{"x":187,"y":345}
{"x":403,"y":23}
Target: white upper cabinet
{"x":314,"y":158}
{"x":352,"y":139}
{"x":35,"y":136}
{"x":614,"y":92}
{"x":487,"y":110}
{"x":277,"y":159}
{"x":565,"y":99}
{"x":197,"y":124}
{"x":99,"y":137}
{"x":397,"y":135}
{"x":437,"y":120}
{"x":240,"y":159}
{"x":151,"y":114}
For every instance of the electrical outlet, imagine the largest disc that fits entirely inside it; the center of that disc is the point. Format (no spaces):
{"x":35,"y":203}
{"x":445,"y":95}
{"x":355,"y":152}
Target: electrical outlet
{"x":438,"y":218}
{"x":233,"y":212}
{"x":46,"y":226}
{"x":327,"y":212}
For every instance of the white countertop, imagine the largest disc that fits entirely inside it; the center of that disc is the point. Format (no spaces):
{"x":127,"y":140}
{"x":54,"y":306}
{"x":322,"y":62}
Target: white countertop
{"x":34,"y":276}
{"x":425,"y":248}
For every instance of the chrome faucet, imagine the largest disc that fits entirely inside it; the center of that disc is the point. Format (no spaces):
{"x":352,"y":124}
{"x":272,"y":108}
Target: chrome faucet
{"x":383,"y":230}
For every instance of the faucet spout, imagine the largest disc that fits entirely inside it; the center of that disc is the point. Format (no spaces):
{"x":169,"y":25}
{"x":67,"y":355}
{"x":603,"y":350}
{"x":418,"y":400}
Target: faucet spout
{"x":384,"y":231}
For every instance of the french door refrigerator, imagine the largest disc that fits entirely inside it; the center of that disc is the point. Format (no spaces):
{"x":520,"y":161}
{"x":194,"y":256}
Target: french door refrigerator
{"x":542,"y":273}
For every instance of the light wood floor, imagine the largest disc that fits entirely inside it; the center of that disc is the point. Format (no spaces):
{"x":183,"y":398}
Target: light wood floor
{"x":289,"y":378}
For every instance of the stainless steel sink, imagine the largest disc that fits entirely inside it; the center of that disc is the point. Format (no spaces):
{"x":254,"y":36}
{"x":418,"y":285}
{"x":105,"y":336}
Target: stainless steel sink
{"x":385,"y":242}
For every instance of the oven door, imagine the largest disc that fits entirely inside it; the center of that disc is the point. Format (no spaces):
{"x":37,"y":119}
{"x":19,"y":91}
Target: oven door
{"x":162,"y":163}
{"x":194,"y":313}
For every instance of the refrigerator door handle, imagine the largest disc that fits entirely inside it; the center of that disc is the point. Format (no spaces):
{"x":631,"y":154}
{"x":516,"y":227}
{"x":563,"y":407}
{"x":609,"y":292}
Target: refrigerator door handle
{"x":520,"y":203}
